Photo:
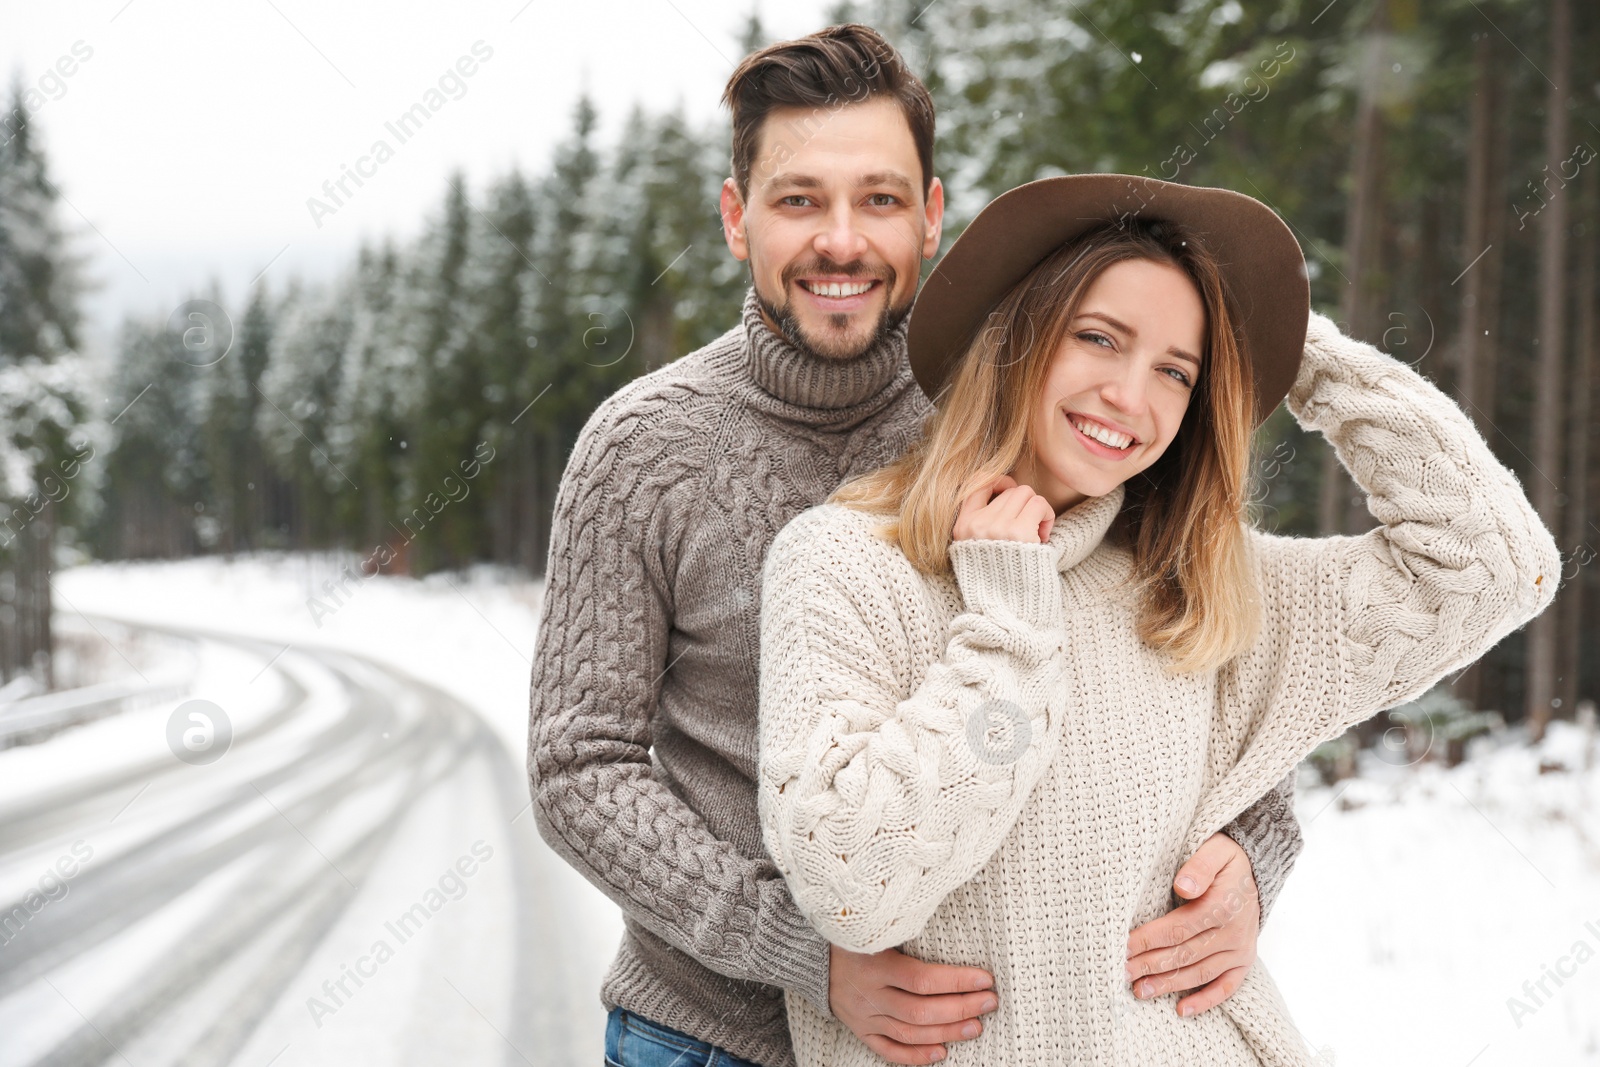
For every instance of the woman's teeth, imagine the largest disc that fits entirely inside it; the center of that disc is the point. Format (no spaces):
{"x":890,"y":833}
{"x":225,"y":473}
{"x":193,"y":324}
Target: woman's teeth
{"x":1104,"y":435}
{"x":837,"y":288}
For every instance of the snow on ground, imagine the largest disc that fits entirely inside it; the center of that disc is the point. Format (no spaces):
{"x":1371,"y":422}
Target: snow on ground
{"x":1449,"y":916}
{"x":470,"y":634}
{"x":1438,"y":916}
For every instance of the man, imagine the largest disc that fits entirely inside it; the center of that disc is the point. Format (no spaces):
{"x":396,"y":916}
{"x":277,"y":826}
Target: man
{"x":643,"y":718}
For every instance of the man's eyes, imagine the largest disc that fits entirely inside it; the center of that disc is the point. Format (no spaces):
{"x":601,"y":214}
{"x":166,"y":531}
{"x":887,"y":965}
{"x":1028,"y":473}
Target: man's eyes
{"x":875,"y":200}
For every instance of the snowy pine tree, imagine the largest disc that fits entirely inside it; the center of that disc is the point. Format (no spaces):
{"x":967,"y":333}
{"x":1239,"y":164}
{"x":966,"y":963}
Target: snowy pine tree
{"x":298,"y":390}
{"x":43,"y":395}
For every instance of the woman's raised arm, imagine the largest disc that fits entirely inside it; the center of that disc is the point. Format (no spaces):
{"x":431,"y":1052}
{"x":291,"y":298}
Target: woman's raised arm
{"x":1353,"y":625}
{"x":1460,"y":558}
{"x":876,"y":807}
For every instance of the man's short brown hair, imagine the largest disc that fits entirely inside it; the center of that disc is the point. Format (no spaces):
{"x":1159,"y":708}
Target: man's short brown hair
{"x":823,"y":71}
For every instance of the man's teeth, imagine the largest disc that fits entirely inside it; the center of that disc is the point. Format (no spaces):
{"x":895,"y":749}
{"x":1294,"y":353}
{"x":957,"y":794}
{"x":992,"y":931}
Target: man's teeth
{"x":1102,"y":434}
{"x":837,"y":288}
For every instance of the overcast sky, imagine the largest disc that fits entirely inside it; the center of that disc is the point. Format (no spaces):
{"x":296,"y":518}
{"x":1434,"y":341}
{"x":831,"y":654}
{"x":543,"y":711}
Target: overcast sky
{"x":188,"y":136}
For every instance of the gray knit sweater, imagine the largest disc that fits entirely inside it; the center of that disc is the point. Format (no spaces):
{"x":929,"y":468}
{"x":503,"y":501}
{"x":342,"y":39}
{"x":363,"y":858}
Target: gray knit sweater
{"x":642,"y":723}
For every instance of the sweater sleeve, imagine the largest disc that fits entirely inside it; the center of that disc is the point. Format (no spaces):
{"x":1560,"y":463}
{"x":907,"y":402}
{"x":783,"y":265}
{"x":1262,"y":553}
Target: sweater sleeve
{"x":876,"y":802}
{"x":1353,"y":625}
{"x":1270,"y":835}
{"x":598,"y":663}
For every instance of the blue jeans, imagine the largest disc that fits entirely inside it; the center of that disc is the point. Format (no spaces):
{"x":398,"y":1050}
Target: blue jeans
{"x":634,"y":1041}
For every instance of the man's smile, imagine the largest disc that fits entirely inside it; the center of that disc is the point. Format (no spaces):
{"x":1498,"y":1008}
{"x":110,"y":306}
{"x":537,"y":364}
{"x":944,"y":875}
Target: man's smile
{"x":838,"y":294}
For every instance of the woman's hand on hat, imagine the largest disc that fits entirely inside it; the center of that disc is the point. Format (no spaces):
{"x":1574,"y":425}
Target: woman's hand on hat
{"x":1004,"y":510}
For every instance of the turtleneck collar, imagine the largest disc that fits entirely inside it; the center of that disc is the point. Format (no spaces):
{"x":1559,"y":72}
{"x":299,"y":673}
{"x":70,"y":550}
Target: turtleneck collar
{"x":1080,"y":529}
{"x":808,"y":381}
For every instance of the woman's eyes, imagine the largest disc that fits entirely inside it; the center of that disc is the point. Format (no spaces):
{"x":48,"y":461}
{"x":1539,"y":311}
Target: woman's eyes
{"x":1095,"y":337}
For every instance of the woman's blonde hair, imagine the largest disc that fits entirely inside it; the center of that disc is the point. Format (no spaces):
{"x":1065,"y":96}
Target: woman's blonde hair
{"x":1183,"y":517}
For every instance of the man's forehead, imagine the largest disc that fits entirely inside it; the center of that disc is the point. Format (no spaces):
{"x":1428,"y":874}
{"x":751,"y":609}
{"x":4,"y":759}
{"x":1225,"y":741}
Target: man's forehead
{"x":869,"y":137}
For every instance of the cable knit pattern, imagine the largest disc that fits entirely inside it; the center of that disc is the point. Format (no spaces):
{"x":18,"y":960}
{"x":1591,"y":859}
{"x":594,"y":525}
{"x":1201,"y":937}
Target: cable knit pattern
{"x":884,"y":805}
{"x":642,"y":709}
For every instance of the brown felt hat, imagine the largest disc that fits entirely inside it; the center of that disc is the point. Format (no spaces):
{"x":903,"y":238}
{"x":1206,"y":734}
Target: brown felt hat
{"x":1261,"y":263}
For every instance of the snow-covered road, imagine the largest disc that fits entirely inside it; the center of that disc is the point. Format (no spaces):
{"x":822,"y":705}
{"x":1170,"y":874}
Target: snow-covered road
{"x":353,"y":880}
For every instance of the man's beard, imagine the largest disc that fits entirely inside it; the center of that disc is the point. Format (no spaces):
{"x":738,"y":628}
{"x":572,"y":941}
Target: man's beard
{"x":789,"y":323}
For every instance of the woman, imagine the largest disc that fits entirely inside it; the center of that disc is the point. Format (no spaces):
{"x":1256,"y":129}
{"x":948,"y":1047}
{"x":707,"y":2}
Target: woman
{"x":1012,"y":680}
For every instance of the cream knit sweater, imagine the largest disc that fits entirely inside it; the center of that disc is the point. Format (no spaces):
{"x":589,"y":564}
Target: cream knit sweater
{"x":993,"y":769}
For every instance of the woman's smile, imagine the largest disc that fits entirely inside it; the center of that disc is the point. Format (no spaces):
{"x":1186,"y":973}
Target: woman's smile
{"x":1100,"y":438}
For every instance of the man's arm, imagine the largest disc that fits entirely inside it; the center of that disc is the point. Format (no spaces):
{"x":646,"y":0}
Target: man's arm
{"x":1270,"y":836}
{"x":598,"y":666}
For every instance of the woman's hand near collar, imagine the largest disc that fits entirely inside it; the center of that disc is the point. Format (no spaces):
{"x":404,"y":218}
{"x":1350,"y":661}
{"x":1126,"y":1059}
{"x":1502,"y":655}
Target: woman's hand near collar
{"x":1004,"y":510}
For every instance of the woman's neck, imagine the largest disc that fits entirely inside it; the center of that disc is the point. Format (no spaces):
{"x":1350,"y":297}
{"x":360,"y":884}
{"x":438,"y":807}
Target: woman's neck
{"x":1060,"y":496}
